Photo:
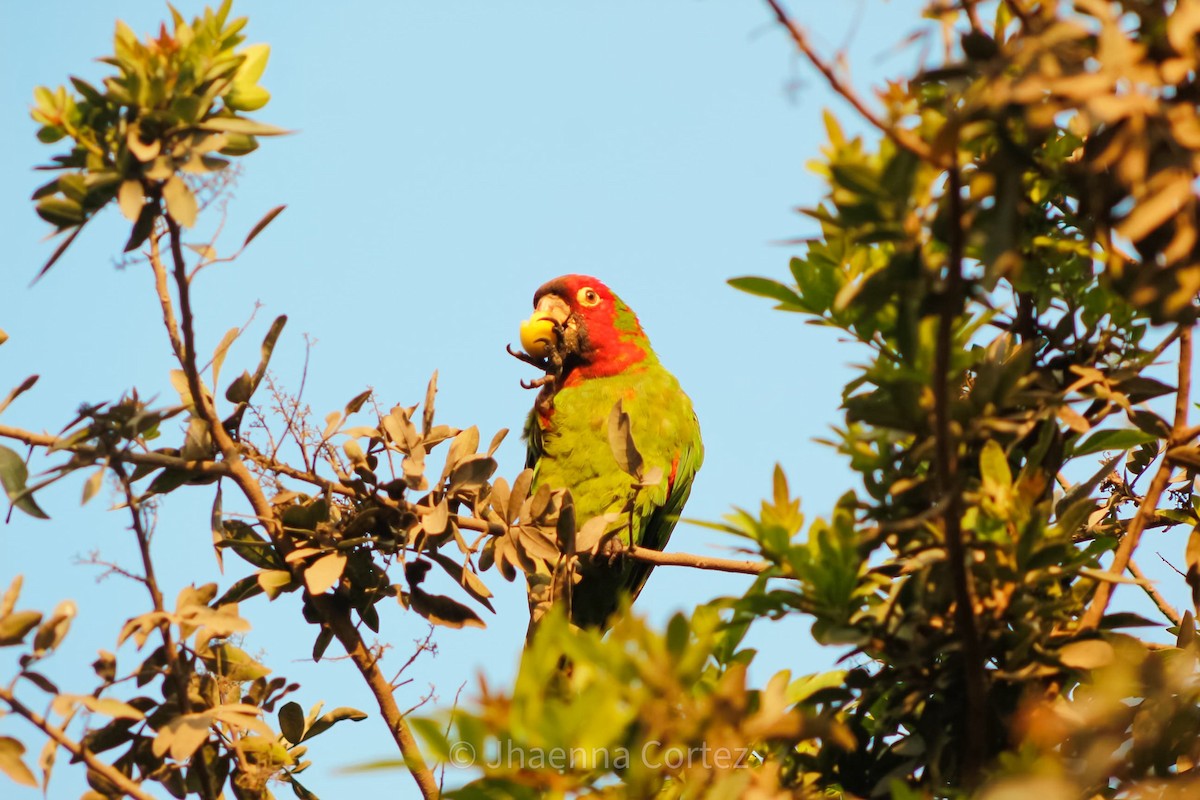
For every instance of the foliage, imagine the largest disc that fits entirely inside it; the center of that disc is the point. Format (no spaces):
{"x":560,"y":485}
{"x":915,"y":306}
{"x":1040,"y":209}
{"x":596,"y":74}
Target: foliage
{"x":678,"y":716}
{"x":977,"y":251}
{"x":1014,"y":254}
{"x":175,"y":101}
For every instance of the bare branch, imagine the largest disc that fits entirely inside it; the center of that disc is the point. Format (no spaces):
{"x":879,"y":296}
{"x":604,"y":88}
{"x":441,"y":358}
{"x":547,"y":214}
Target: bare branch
{"x":107,"y":771}
{"x":659,"y":558}
{"x":1148,"y":587}
{"x":86,"y":451}
{"x":900,"y":136}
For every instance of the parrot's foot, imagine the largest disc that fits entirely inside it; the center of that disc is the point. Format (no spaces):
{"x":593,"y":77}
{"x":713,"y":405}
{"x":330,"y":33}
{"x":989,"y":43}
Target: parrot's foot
{"x":612,"y":550}
{"x":541,"y":363}
{"x":533,"y":384}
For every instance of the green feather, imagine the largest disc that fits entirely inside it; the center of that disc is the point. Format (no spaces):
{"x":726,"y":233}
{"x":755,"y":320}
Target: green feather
{"x":573,"y":452}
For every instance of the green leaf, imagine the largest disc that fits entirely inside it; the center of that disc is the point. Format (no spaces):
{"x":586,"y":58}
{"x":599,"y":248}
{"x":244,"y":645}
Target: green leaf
{"x":1087,"y":654}
{"x":13,"y":474}
{"x":92,"y":485}
{"x":291,"y":722}
{"x":765,"y":287}
{"x":324,"y":639}
{"x":993,"y":464}
{"x":241,"y":590}
{"x":141,"y":229}
{"x":299,"y":790}
{"x":9,"y":601}
{"x":464,"y":578}
{"x":168,"y":481}
{"x":250,"y":545}
{"x":1127,"y":619}
{"x":255,"y":63}
{"x":1150,"y":423}
{"x":16,"y":626}
{"x":222,"y":350}
{"x":263,"y":223}
{"x":327,"y":721}
{"x":246,"y":98}
{"x":11,"y":764}
{"x":60,"y":211}
{"x":240,"y":125}
{"x":238,"y":144}
{"x":1124,"y":439}
{"x":858,"y":179}
{"x":241,"y":390}
{"x":442,"y":610}
{"x":275,"y":582}
{"x":268,"y":347}
{"x":181,"y":202}
{"x":233,"y":663}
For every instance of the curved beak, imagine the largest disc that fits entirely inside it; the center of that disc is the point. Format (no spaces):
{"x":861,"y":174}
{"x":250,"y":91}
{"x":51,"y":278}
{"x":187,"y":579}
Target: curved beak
{"x":538,"y":332}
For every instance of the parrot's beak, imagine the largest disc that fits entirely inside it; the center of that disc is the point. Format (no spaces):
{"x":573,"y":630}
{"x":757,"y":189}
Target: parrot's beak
{"x":538,"y":332}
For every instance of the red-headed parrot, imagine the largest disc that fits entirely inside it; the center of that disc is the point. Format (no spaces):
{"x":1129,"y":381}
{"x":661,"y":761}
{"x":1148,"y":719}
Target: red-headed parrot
{"x":602,"y":356}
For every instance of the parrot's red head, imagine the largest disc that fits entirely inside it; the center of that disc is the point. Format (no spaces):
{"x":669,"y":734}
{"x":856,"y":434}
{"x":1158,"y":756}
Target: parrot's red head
{"x":596,"y":333}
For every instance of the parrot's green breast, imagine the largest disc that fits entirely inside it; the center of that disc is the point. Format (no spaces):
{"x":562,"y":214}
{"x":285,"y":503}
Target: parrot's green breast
{"x":569,"y":448}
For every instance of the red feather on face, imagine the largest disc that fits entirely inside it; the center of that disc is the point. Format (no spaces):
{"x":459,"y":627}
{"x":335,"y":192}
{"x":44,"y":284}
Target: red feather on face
{"x":611,"y":335}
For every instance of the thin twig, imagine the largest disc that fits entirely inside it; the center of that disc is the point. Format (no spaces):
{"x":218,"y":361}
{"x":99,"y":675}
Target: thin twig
{"x":900,"y":136}
{"x":1148,"y":587}
{"x":446,"y":734}
{"x":422,"y":646}
{"x":107,"y":771}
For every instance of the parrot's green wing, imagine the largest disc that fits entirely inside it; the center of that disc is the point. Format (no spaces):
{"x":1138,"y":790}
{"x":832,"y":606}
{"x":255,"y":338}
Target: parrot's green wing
{"x":533,"y":440}
{"x":568,"y":447}
{"x":656,"y":527}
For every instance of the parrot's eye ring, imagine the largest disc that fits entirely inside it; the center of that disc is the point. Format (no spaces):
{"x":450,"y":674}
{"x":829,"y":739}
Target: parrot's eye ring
{"x":587,"y":296}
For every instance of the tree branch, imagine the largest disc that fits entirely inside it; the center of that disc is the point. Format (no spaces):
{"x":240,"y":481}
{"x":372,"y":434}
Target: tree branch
{"x":87,"y":451}
{"x":107,"y":771}
{"x":1149,"y":507}
{"x":659,"y":558}
{"x":975,"y":710}
{"x":333,"y":615}
{"x":164,"y":298}
{"x":900,"y":136}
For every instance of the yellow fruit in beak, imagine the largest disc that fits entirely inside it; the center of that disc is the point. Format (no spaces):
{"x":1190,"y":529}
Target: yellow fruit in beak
{"x":537,"y":335}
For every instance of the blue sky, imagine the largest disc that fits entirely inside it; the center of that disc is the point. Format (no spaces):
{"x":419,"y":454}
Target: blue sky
{"x":449,"y":159}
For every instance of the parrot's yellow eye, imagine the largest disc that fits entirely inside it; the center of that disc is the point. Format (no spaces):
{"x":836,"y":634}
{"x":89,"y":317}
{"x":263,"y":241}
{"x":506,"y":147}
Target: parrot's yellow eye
{"x":587,"y":296}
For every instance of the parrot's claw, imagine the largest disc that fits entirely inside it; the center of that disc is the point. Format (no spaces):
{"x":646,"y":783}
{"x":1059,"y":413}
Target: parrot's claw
{"x":533,"y":384}
{"x":612,"y":549}
{"x":540,"y":363}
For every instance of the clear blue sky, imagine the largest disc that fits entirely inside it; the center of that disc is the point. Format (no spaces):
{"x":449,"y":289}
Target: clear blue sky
{"x":451,"y":157}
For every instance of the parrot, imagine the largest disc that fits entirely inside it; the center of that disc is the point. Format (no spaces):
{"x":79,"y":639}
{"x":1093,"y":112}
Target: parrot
{"x":596,"y":356}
